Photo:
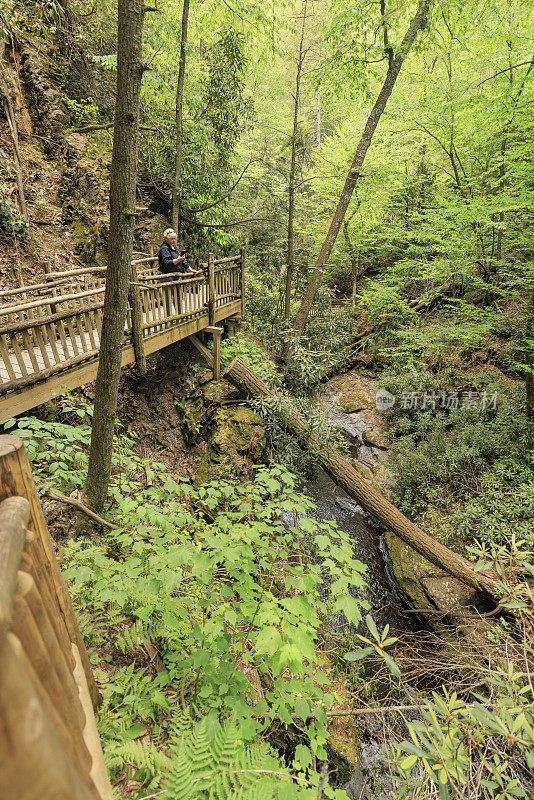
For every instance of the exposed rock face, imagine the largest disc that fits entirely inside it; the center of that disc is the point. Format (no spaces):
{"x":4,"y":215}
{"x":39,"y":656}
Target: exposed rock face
{"x":362,"y":425}
{"x":47,"y":108}
{"x":83,"y":185}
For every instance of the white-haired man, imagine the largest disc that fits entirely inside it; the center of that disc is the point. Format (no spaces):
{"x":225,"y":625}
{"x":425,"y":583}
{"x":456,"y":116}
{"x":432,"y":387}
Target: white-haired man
{"x":171,"y":259}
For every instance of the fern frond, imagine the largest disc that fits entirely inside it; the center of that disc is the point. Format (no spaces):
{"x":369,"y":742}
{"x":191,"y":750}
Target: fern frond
{"x":199,"y":750}
{"x":222,"y":769}
{"x":179,"y":784}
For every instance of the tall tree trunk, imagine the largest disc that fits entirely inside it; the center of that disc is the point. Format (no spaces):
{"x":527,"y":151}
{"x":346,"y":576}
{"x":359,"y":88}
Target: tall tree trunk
{"x":344,"y":474}
{"x":318,"y":118}
{"x":395,"y":64}
{"x":292,"y":170}
{"x":120,"y":245}
{"x":179,"y":121}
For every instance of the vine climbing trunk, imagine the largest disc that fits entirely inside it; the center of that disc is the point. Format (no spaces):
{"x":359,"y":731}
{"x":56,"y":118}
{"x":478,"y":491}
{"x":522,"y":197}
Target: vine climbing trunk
{"x":343,"y":473}
{"x":120,"y":245}
{"x":179,"y":120}
{"x":395,"y":64}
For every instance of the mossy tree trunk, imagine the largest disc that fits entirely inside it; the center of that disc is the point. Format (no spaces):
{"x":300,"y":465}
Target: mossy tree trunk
{"x":120,"y":245}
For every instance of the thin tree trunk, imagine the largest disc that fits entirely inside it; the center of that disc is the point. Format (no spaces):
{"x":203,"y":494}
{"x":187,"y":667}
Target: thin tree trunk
{"x":344,"y":474}
{"x":120,"y":245}
{"x":292,"y":169}
{"x":355,"y":267}
{"x":529,"y":376}
{"x":504,"y":144}
{"x":12,"y":123}
{"x":179,"y":121}
{"x":418,"y":22}
{"x":318,"y":118}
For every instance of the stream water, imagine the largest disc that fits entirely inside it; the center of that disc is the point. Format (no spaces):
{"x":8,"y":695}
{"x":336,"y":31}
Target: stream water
{"x":332,"y":502}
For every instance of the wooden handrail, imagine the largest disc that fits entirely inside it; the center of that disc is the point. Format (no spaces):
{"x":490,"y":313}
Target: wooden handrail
{"x":29,"y":324}
{"x":227,"y":260}
{"x":33,"y":287}
{"x":51,"y":300}
{"x":14,"y":516}
{"x":144,"y":260}
{"x":161,"y":284}
{"x":79,"y":271}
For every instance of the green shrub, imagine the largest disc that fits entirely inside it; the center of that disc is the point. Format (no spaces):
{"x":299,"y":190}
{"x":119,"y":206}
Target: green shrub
{"x":476,"y":464}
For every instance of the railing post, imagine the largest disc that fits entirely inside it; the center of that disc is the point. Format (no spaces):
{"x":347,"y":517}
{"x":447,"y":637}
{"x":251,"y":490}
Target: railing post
{"x":134,"y":297}
{"x":243,"y":252}
{"x":217,"y":334}
{"x":211,"y":288}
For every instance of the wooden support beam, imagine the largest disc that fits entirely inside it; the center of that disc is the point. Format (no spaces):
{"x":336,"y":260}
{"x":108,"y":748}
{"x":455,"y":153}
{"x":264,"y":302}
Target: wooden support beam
{"x":208,"y":355}
{"x":217,"y":334}
{"x":134,"y":297}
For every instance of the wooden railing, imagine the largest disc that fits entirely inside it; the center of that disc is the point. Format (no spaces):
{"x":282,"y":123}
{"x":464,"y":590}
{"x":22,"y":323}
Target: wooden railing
{"x":55,"y":326}
{"x":49,"y":745}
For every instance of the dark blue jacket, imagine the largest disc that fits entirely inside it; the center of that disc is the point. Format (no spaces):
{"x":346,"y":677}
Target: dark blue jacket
{"x":166,"y":255}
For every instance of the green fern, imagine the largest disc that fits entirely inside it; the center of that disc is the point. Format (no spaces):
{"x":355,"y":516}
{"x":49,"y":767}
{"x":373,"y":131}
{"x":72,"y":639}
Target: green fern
{"x":150,"y":763}
{"x":214,"y":765}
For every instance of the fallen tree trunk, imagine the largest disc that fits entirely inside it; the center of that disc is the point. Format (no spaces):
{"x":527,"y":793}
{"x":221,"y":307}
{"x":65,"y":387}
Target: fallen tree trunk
{"x":343,"y":473}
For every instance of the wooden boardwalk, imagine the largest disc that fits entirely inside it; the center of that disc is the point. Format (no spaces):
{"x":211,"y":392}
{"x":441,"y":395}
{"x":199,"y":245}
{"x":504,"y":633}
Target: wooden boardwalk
{"x":50,"y":342}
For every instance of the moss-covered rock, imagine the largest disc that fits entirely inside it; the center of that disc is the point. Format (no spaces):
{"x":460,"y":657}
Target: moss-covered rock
{"x":238,"y":440}
{"x":364,"y":471}
{"x":423,"y":586}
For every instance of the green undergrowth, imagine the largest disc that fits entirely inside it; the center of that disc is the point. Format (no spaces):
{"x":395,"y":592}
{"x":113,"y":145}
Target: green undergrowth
{"x":469,"y":470}
{"x":206,"y":616}
{"x":202,"y":600}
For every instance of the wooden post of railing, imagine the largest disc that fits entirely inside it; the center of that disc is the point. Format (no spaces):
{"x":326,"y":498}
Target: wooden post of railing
{"x":34,"y":765}
{"x":243,"y":252}
{"x":211,"y":288}
{"x":217,"y":334}
{"x":134,"y":297}
{"x":48,"y":271}
{"x":16,"y":480}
